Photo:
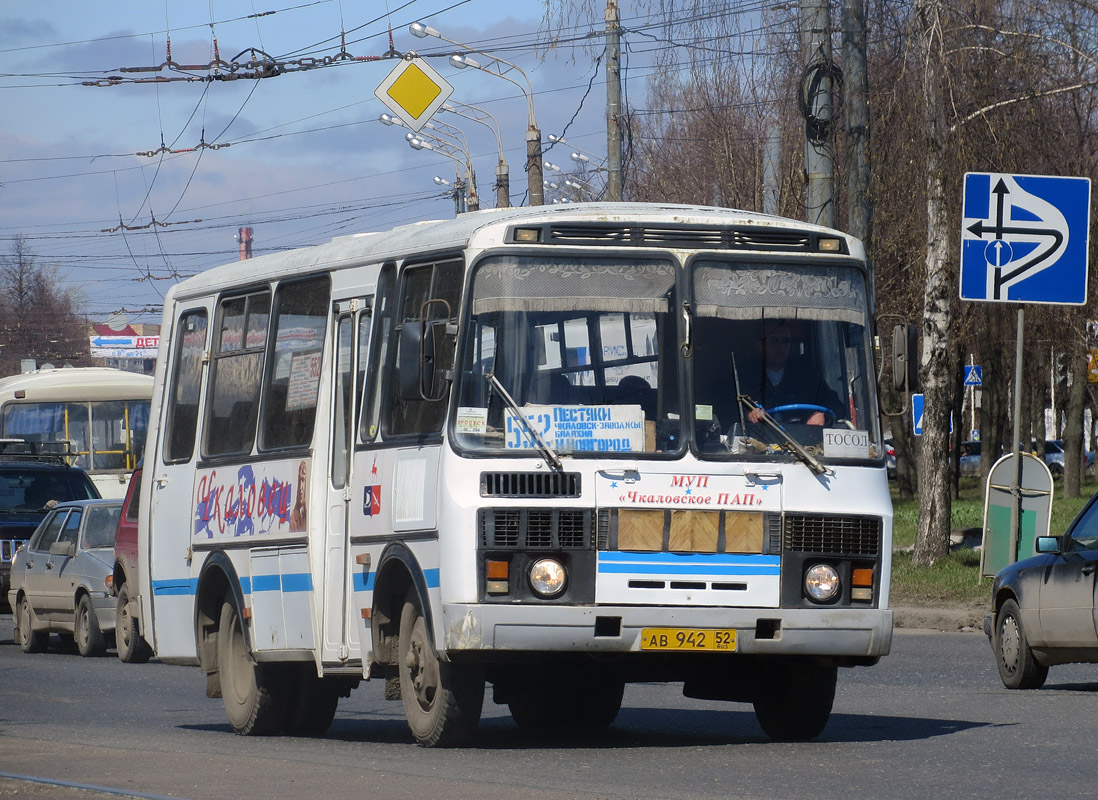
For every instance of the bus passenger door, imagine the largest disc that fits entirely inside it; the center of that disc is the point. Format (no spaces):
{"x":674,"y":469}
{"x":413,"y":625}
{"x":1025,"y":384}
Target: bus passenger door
{"x":341,"y":631}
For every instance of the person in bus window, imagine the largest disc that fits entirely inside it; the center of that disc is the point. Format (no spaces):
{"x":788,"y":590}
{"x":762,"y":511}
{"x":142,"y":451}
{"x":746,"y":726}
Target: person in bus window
{"x":776,"y":379}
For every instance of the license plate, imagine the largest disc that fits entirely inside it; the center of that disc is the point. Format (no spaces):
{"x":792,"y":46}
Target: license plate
{"x":696,"y":639}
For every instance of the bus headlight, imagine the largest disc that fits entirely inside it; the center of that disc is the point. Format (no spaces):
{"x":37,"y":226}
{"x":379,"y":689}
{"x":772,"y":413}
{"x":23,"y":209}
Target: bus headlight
{"x":547,"y":577}
{"x":821,"y":582}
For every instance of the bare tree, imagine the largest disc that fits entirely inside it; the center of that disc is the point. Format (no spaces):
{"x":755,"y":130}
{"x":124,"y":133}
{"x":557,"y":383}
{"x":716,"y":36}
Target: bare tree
{"x":37,"y":317}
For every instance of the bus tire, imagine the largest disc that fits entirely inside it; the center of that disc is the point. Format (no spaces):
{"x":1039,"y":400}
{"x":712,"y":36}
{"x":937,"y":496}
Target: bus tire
{"x":30,"y":640}
{"x":793,"y":702}
{"x":314,"y":704}
{"x":89,"y":638}
{"x":442,"y":701}
{"x":132,"y":647}
{"x":254,"y":694}
{"x":585,"y":703}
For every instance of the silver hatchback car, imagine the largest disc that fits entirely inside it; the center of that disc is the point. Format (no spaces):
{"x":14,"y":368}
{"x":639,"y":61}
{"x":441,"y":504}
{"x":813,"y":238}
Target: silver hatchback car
{"x":58,"y":580}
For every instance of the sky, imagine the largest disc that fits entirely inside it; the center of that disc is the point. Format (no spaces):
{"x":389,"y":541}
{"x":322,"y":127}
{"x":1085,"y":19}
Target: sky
{"x":87,"y":181}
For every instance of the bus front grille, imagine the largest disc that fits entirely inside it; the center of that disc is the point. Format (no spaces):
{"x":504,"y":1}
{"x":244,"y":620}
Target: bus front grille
{"x":838,"y":535}
{"x":535,"y":528}
{"x":529,"y":484}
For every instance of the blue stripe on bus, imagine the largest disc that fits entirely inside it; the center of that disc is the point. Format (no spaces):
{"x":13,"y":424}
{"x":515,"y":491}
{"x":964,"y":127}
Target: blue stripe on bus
{"x":691,"y":564}
{"x":364,"y":581}
{"x":175,"y":587}
{"x":682,"y":558}
{"x":295,"y":582}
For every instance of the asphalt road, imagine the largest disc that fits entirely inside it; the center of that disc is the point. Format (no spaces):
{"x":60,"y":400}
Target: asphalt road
{"x":931,"y":721}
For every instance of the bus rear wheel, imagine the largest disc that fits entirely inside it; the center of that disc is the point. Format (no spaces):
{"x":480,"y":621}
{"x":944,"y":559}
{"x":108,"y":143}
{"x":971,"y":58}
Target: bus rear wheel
{"x":442,"y":701}
{"x":794,"y":700}
{"x":255,"y":695}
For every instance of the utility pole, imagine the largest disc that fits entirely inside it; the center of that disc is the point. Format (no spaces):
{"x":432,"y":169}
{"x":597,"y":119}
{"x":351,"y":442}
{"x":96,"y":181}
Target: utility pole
{"x":856,"y":103}
{"x":613,"y":102}
{"x":815,"y":97}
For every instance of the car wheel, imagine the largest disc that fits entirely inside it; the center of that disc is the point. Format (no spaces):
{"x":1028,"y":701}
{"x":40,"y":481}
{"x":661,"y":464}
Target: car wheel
{"x":1056,"y":469}
{"x":1018,"y":667}
{"x":255,"y":695}
{"x":793,"y":701}
{"x":442,"y":700}
{"x":132,"y":648}
{"x":30,"y":640}
{"x":89,"y":639}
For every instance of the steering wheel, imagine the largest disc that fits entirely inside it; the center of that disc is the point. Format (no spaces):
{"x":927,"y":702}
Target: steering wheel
{"x":800,"y":413}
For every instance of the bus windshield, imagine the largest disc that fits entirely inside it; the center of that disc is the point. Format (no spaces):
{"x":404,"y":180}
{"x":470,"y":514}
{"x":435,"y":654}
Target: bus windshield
{"x":606,"y":356}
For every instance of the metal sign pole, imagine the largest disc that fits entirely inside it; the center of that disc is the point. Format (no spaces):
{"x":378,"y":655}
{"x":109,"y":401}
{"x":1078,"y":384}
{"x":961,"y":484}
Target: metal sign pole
{"x":1016,"y":483}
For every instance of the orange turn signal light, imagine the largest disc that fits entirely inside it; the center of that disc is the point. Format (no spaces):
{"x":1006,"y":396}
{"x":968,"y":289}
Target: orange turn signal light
{"x":862,"y":576}
{"x":496,"y":570}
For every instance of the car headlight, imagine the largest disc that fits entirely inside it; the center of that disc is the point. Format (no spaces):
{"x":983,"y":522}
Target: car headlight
{"x":821,"y":582}
{"x":547,"y":577}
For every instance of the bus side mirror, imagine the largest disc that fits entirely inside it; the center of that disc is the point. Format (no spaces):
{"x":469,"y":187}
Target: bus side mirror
{"x":412,"y":366}
{"x":422,"y":346}
{"x":905,"y":372}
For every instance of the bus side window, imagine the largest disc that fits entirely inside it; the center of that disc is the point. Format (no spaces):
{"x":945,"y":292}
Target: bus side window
{"x":186,"y":381}
{"x":236,"y":371}
{"x":293,"y":375}
{"x":441,"y":281}
{"x":370,"y":385}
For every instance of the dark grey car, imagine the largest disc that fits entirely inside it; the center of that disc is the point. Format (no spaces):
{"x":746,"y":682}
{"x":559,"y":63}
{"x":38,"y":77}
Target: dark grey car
{"x":1043,"y":609}
{"x":58,"y":580}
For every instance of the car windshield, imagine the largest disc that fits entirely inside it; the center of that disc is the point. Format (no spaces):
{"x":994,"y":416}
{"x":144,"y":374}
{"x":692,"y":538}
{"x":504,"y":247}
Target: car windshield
{"x":598,"y":354}
{"x":101,"y":525}
{"x":32,"y":490}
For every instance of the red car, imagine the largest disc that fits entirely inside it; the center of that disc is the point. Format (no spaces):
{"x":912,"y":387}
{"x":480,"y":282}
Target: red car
{"x":132,"y":647}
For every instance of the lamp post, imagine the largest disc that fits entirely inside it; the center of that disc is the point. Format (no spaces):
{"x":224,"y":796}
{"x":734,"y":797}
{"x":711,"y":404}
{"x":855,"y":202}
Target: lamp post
{"x":425,"y":141}
{"x":533,"y":134}
{"x":457,"y":191}
{"x":503,"y":175}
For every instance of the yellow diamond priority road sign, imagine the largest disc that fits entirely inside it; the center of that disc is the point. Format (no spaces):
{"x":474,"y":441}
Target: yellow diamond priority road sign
{"x":414,"y":91}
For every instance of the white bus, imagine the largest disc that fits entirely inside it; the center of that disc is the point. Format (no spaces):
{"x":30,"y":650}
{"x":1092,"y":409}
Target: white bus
{"x":103,"y":415}
{"x":521,"y":448}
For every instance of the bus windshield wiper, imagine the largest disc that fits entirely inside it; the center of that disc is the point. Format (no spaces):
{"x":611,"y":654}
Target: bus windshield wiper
{"x":742,"y":401}
{"x":791,"y":444}
{"x":543,"y":447}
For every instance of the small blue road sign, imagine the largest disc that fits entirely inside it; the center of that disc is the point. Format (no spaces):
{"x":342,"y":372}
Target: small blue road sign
{"x":917,"y":406}
{"x":1024,"y":238}
{"x":974,"y":375}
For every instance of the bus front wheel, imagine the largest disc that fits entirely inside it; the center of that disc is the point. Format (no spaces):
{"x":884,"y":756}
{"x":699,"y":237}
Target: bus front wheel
{"x":255,"y":695}
{"x":794,"y":700}
{"x":442,"y":701}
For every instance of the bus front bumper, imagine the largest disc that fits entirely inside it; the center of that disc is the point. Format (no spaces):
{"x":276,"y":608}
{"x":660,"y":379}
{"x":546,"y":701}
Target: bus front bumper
{"x":857,"y":633}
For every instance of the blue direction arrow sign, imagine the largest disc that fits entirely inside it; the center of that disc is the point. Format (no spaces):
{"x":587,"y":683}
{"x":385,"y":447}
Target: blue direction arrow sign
{"x":1024,"y":238}
{"x":974,"y":375}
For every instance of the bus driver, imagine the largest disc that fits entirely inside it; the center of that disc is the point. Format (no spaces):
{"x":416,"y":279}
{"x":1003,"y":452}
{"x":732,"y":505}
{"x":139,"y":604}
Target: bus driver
{"x":775,"y":380}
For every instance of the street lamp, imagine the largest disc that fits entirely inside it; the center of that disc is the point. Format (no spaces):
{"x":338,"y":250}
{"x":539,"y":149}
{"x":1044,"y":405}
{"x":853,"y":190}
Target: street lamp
{"x":580,"y":154}
{"x":426,"y":141}
{"x":503,"y":176}
{"x":533,"y":134}
{"x":457,"y":192}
